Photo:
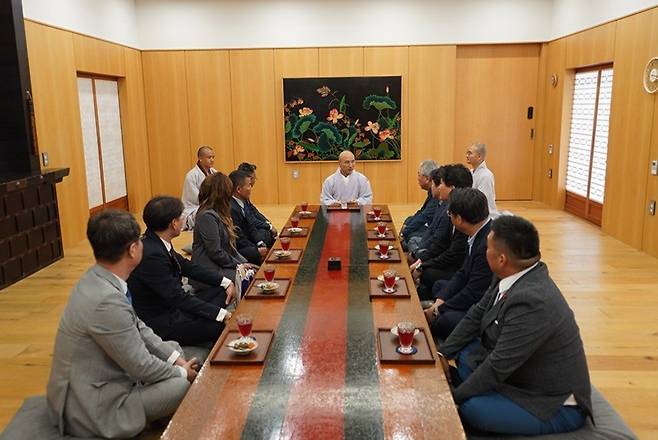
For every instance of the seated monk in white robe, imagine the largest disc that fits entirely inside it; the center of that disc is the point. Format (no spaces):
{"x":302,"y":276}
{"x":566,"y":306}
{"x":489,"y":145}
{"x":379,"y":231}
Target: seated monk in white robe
{"x":346,"y":185}
{"x":193,"y":179}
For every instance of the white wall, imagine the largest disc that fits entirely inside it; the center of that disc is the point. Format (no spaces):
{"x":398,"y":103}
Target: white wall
{"x":302,"y":23}
{"x":571,"y":16}
{"x":198,"y":24}
{"x":113,"y":20}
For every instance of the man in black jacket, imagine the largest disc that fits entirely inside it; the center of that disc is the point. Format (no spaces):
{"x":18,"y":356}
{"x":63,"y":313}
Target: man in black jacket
{"x":250,"y":242}
{"x":445,"y":249}
{"x":156,"y":285}
{"x":519,"y":353}
{"x":469,"y":214}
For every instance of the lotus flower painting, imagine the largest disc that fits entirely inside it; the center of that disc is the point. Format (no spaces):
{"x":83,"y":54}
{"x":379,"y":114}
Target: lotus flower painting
{"x":324,"y":116}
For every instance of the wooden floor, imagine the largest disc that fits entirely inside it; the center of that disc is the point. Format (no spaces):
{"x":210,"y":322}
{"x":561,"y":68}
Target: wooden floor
{"x":612,"y":288}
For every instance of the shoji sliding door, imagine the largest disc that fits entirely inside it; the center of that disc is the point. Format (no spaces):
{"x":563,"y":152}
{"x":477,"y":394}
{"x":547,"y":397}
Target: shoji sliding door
{"x":103,"y":143}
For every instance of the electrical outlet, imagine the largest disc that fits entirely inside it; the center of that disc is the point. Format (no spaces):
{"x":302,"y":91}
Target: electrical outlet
{"x":654,"y":167}
{"x":550,"y":148}
{"x":295,"y":174}
{"x":652,"y":207}
{"x":550,"y":173}
{"x":44,"y":159}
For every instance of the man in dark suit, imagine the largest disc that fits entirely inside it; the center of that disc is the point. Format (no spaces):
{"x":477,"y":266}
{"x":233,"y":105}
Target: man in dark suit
{"x":415,"y":225}
{"x":519,"y":353}
{"x":469,"y":214}
{"x":265,"y":229}
{"x":250,"y":243}
{"x":444,"y":250}
{"x":156,"y":285}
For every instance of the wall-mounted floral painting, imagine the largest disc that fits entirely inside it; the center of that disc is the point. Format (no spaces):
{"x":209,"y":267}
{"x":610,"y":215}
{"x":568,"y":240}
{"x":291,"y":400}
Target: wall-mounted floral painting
{"x":324,"y":116}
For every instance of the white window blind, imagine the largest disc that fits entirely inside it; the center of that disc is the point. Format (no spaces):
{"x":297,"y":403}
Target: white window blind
{"x":588,"y":139}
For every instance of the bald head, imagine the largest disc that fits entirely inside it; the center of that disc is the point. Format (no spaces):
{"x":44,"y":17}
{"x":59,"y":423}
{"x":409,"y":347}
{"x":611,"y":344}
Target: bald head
{"x":346,"y":162}
{"x":206,"y":156}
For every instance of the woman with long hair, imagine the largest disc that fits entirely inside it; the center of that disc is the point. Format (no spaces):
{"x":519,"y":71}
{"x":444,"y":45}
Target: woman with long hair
{"x":214,"y":233}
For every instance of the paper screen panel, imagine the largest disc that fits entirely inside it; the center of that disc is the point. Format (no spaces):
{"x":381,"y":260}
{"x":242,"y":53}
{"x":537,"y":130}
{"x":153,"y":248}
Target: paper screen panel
{"x":580,"y":138}
{"x":599,"y":159}
{"x":109,"y":123}
{"x":90,"y":142}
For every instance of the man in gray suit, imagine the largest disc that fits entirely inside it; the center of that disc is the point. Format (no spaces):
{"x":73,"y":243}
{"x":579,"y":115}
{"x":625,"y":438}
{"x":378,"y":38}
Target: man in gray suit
{"x":111,"y":374}
{"x":518,"y":350}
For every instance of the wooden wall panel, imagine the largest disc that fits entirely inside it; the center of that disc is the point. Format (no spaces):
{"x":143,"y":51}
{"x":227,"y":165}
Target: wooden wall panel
{"x":650,"y":235}
{"x":341,"y":61}
{"x":209,"y":102}
{"x":385,"y":178}
{"x":254,"y":132}
{"x":495,"y":85}
{"x":590,"y":47}
{"x":624,"y":209}
{"x":431,"y":110}
{"x":540,"y":152}
{"x":97,"y":56}
{"x":165,"y":93}
{"x":294,"y":63}
{"x":550,"y":124}
{"x":133,"y":126}
{"x":57,"y":113}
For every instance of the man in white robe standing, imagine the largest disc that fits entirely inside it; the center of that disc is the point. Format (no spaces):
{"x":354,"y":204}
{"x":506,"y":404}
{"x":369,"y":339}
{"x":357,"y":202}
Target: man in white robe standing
{"x":483,"y":178}
{"x":346,"y":185}
{"x":193,"y":179}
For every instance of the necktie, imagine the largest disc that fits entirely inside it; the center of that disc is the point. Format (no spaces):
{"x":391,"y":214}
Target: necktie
{"x":501,"y":295}
{"x":172,"y":254}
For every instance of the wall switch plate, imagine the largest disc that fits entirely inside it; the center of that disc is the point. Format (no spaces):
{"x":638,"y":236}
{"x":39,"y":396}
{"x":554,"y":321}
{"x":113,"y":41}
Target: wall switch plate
{"x":44,"y":159}
{"x":652,"y":207}
{"x":550,"y":148}
{"x":654,"y":167}
{"x":295,"y":174}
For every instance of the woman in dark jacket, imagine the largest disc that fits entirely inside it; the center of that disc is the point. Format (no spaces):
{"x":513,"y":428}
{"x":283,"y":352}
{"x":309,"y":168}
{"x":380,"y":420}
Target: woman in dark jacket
{"x":214,"y":234}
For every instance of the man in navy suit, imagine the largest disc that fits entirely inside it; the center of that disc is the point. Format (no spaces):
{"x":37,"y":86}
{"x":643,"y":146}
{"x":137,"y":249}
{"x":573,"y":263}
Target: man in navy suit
{"x":469,"y":214}
{"x":415,"y":225}
{"x":266,"y":231}
{"x":249,"y":243}
{"x":156,"y":284}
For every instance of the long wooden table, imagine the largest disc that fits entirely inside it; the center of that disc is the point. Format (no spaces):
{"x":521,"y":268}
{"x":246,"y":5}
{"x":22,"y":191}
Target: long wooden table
{"x":322,"y":377}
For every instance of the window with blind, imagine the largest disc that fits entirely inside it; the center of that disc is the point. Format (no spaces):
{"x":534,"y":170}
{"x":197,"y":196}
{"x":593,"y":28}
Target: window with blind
{"x":103,"y":143}
{"x":588,"y":143}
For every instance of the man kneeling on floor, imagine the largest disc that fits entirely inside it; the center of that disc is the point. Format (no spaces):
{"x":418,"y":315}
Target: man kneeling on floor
{"x":518,"y":350}
{"x":111,"y":374}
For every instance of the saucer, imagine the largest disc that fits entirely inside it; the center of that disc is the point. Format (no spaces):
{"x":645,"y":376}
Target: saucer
{"x":394,"y":330}
{"x":294,"y":230}
{"x":242,"y":345}
{"x":302,"y":213}
{"x":282,"y":254}
{"x":268,"y":286}
{"x":414,"y":350}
